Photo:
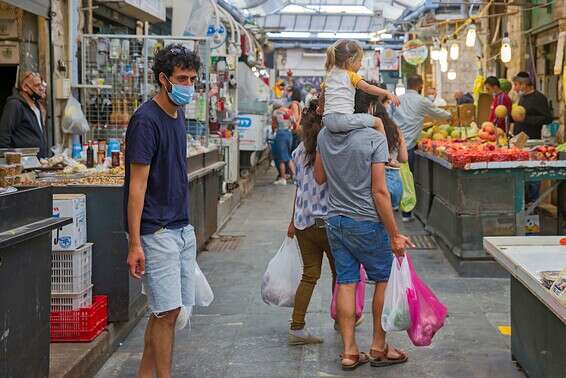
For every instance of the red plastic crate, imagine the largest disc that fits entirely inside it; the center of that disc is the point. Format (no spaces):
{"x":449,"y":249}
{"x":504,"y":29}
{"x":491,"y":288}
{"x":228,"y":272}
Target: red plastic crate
{"x":82,"y":325}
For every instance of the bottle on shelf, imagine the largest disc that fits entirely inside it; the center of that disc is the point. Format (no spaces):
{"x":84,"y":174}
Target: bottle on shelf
{"x":90,"y":155}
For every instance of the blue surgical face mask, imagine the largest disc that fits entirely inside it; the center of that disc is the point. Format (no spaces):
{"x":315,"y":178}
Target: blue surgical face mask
{"x":181,"y":95}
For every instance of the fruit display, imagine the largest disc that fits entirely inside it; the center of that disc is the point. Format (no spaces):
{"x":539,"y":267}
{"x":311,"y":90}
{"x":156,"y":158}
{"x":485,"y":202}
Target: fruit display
{"x":501,"y":111}
{"x":518,"y":112}
{"x":544,"y":153}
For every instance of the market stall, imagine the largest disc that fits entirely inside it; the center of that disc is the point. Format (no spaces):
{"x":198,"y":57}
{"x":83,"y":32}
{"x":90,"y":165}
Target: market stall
{"x":537,"y":266}
{"x":470,"y":189}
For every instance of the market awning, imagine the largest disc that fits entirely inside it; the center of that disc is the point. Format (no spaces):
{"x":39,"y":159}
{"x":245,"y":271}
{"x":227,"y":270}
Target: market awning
{"x":37,"y":7}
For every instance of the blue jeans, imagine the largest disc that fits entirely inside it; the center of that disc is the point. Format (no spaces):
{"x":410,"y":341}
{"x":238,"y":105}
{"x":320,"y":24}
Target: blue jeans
{"x":359,"y":242}
{"x":394,"y":185}
{"x":170,"y":262}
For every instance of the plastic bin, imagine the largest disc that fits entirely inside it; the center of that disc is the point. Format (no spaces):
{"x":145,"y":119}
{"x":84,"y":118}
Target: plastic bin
{"x":71,"y":271}
{"x":81,"y":325}
{"x":71,"y":301}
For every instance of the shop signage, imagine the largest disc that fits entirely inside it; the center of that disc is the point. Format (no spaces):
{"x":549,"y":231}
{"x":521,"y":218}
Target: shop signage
{"x":389,"y":60}
{"x":244,"y":122}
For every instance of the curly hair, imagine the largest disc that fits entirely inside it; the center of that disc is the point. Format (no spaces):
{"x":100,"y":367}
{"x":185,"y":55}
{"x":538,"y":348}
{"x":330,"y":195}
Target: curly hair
{"x":311,"y":123}
{"x":174,"y":56}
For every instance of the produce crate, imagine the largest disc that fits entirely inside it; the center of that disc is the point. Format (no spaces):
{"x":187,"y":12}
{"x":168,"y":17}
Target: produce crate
{"x":474,"y":194}
{"x":71,"y":301}
{"x":463,"y":233}
{"x":82,"y":325}
{"x":71,"y":271}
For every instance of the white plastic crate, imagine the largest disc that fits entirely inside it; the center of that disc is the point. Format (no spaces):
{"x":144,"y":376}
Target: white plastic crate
{"x":71,"y":271}
{"x":74,"y":301}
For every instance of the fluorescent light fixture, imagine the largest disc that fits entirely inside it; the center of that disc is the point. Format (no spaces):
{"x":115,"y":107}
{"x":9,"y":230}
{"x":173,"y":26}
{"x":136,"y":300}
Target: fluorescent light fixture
{"x":455,"y":51}
{"x":344,"y":35}
{"x":506,"y":49}
{"x":285,"y":34}
{"x":471,"y":36}
{"x":294,"y":8}
{"x":386,"y":36}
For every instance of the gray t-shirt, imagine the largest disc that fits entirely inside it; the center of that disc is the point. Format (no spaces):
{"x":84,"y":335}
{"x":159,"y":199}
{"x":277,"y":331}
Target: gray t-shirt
{"x":347,"y":160}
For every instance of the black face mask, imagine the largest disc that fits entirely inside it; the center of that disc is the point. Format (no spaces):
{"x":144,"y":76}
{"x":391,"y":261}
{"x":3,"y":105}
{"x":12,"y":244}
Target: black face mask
{"x":34,"y":96}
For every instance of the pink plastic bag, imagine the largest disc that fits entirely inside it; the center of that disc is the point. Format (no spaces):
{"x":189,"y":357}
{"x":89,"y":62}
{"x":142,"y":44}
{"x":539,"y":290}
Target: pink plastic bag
{"x":426,"y":311}
{"x":360,"y":296}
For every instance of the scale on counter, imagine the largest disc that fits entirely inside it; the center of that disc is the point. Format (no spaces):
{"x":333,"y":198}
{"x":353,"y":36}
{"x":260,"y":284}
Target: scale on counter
{"x":29,"y":156}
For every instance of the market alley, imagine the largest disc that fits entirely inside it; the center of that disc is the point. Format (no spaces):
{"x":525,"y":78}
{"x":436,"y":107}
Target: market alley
{"x":240,"y":336}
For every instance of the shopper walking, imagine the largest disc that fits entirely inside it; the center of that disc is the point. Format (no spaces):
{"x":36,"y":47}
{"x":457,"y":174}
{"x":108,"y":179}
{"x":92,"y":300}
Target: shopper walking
{"x":281,"y":124}
{"x":361,"y":230}
{"x":162,"y":244}
{"x":410,"y":116}
{"x":296,"y":111}
{"x":309,"y":209}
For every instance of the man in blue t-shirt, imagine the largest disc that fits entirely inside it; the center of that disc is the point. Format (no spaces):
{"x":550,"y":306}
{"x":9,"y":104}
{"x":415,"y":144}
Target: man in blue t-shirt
{"x":162,"y":244}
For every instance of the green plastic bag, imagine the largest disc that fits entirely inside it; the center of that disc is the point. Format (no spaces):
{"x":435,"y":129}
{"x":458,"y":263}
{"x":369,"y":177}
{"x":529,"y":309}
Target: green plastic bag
{"x":409,"y":197}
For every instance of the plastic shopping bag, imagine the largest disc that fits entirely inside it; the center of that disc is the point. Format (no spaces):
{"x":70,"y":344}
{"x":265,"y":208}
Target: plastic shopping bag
{"x":427,"y":312}
{"x":282,"y":276}
{"x":360,"y":295}
{"x":395,"y":315}
{"x":203,"y":292}
{"x":409,"y":197}
{"x":74,"y":120}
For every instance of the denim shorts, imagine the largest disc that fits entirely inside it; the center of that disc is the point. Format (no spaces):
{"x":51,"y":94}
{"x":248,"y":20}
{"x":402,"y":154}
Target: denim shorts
{"x":395,"y":186}
{"x":170,"y":262}
{"x":283,"y":146}
{"x":359,"y":242}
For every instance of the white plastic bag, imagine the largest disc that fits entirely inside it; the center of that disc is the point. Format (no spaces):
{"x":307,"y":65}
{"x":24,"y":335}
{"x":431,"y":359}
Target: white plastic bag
{"x":203,"y":292}
{"x":395,"y":315}
{"x":282,"y":276}
{"x":74,"y":120}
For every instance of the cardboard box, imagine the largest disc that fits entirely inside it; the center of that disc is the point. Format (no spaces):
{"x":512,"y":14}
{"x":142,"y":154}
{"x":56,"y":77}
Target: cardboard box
{"x":453,"y":110}
{"x":467,"y":114}
{"x":72,"y":236}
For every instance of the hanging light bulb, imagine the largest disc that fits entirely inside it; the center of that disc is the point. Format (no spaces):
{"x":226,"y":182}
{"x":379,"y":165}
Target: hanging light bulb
{"x":443,"y":58}
{"x":435,"y":51}
{"x":451,"y":75}
{"x":443,"y":67}
{"x":506,"y":49}
{"x":471,"y":36}
{"x":454,"y":51}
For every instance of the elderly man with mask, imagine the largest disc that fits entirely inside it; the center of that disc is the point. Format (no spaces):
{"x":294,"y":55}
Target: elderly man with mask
{"x":23,"y":121}
{"x":537,"y":110}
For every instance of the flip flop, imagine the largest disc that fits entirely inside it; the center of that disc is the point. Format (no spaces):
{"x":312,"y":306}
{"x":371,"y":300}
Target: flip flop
{"x":359,"y":359}
{"x":379,"y":358}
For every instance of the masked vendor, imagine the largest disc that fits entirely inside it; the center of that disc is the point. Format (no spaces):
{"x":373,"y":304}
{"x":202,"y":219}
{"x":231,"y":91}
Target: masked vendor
{"x":536,"y":108}
{"x":23,"y":120}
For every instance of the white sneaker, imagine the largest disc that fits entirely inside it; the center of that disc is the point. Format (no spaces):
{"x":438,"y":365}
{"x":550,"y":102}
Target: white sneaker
{"x":408,"y":219}
{"x":281,"y":181}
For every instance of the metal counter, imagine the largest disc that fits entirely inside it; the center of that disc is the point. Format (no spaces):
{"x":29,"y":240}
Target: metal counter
{"x":538,"y":319}
{"x":26,"y":225}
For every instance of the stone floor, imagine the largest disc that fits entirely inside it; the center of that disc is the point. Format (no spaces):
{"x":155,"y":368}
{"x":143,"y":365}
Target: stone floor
{"x":240,"y":336}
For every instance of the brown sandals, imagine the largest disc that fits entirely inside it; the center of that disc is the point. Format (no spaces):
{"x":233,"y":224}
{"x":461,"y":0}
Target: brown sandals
{"x":359,"y":359}
{"x":379,"y":358}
